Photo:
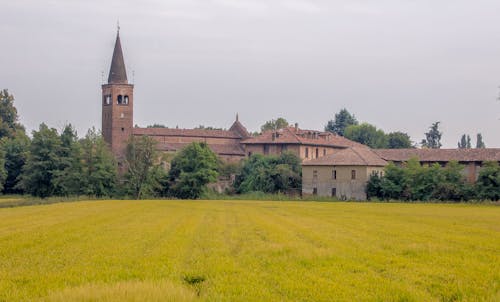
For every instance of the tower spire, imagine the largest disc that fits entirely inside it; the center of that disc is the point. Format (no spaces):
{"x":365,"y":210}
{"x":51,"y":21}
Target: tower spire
{"x":117,"y":72}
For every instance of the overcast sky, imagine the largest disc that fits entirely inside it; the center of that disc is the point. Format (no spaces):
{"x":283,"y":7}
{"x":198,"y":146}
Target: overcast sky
{"x":398,"y":64}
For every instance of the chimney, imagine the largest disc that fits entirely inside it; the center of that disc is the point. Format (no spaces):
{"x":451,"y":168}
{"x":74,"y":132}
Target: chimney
{"x":296,"y":127}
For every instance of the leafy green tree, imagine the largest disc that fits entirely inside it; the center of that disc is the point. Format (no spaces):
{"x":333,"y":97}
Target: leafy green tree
{"x":479,"y":142}
{"x":68,"y":175}
{"x":366,"y":134}
{"x":142,"y":174}
{"x":488,"y":182}
{"x":9,"y":124}
{"x":276,"y":124}
{"x":270,"y":174}
{"x":42,"y":163}
{"x":432,"y":138}
{"x":341,"y":121}
{"x":98,"y":173}
{"x":398,"y":140}
{"x":192,"y":169}
{"x":156,"y":126}
{"x":16,"y":152}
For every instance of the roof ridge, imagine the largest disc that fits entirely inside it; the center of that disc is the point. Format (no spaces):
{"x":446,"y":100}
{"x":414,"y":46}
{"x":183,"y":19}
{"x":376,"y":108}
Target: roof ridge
{"x":359,"y":155}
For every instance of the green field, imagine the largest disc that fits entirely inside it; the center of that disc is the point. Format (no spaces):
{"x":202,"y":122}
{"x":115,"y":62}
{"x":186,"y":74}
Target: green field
{"x":249,"y":251}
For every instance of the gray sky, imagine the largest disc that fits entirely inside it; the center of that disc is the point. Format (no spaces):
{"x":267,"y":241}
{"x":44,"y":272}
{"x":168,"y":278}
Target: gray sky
{"x":397,"y":64}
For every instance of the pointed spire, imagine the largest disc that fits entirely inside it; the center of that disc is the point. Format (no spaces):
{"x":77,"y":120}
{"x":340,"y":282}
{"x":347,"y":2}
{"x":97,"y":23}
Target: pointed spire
{"x":117,"y":72}
{"x":237,"y":117}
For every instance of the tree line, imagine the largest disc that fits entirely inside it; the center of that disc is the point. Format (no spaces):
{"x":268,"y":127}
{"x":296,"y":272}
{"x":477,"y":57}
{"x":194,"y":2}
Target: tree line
{"x":413,"y":181}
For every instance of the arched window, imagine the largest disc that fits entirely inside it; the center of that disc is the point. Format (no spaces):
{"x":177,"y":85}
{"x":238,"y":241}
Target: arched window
{"x":125,"y":100}
{"x":107,"y":99}
{"x":119,"y":99}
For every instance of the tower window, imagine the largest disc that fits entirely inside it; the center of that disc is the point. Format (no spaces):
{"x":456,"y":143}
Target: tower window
{"x":125,"y":100}
{"x":119,"y":100}
{"x":123,"y":129}
{"x":107,"y":99}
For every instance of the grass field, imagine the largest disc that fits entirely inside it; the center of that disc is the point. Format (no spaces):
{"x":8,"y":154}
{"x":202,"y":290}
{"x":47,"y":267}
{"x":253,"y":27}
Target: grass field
{"x":249,"y":251}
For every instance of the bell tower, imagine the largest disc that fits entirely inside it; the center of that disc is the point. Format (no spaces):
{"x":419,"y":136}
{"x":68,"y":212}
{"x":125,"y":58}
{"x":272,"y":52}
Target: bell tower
{"x":117,"y":103}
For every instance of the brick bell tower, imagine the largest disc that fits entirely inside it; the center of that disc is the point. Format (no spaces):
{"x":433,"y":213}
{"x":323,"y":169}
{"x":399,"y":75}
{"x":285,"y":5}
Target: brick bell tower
{"x":117,"y":104}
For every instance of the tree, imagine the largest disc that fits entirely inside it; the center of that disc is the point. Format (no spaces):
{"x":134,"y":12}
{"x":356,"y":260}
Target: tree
{"x":141,"y":177}
{"x":270,"y":174}
{"x":191,"y":170}
{"x":342,"y":120}
{"x":276,"y":124}
{"x":68,"y":175}
{"x":398,"y":140}
{"x":465,"y":142}
{"x":366,"y":134}
{"x":98,"y":166}
{"x":16,"y":153}
{"x":433,"y":137}
{"x":479,"y":142}
{"x":488,"y":181}
{"x":155,"y":125}
{"x":42,"y":163}
{"x":8,"y":115}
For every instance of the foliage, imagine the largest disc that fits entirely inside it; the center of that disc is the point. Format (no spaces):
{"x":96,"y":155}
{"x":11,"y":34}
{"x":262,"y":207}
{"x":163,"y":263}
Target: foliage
{"x":479,"y":141}
{"x":413,"y":181}
{"x":191,"y":170}
{"x":433,"y":137}
{"x":398,"y":140}
{"x":488,"y":182}
{"x":9,"y":124}
{"x":341,"y":121}
{"x":202,"y":127}
{"x":270,"y":174}
{"x":42,"y":163}
{"x":67,"y":175}
{"x":98,"y":171}
{"x":16,"y":152}
{"x":142,"y":175}
{"x":366,"y":134}
{"x":464,"y":142}
{"x":276,"y":124}
{"x":155,"y":125}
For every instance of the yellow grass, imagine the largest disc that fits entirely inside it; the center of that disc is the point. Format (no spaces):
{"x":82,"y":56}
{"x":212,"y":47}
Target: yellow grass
{"x":249,"y":251}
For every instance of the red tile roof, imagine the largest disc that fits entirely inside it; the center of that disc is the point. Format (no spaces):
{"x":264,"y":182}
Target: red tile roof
{"x":440,"y":155}
{"x":220,"y":149}
{"x":186,"y":132}
{"x":290,"y":135}
{"x":353,"y":156}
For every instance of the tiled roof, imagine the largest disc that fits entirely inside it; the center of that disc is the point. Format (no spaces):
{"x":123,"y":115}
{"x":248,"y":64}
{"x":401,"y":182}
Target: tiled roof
{"x":353,"y":156}
{"x":290,"y":135}
{"x":220,"y":149}
{"x":440,"y":155}
{"x":186,"y":132}
{"x":238,"y":128}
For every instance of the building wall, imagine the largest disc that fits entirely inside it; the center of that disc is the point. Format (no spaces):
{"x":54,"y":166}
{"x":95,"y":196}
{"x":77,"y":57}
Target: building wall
{"x":271,"y":149}
{"x":346,"y":188}
{"x":309,"y":151}
{"x":117,"y":120}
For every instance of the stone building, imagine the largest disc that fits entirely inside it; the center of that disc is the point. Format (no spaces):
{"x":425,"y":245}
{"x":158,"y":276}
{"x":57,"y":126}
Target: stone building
{"x":342,"y":174}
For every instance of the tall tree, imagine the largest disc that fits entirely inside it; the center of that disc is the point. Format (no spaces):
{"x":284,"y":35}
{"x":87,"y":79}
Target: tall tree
{"x":192,"y":169}
{"x":98,"y":166}
{"x":479,"y":141}
{"x":341,"y":121}
{"x":465,"y":142}
{"x":366,"y":134}
{"x":433,"y":137}
{"x":16,"y":152}
{"x":68,"y":176}
{"x":140,"y":157}
{"x":276,"y":124}
{"x":8,"y":115}
{"x":398,"y":140}
{"x":42,"y":163}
